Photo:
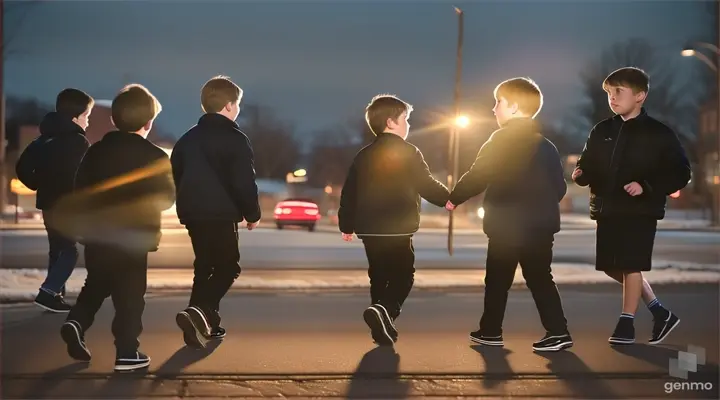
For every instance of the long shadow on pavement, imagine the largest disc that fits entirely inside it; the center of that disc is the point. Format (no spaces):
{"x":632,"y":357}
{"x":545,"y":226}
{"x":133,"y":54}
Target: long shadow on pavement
{"x":497,"y":367}
{"x":183,"y":358}
{"x":51,"y":379}
{"x":377,"y":376}
{"x":660,"y":356}
{"x":578,"y":377}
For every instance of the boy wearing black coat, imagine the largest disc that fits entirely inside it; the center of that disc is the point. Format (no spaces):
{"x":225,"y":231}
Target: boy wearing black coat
{"x":214,"y":173}
{"x":48,"y":165}
{"x":631,"y":162}
{"x":122,"y":186}
{"x":380,"y":203}
{"x":522,"y":174}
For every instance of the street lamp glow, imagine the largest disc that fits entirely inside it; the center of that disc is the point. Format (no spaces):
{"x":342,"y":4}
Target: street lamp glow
{"x":688,"y":52}
{"x":300,"y":173}
{"x":462,"y":121}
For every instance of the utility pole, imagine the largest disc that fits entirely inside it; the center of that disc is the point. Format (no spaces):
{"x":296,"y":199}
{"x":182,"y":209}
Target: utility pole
{"x":454,"y":142}
{"x":3,"y":174}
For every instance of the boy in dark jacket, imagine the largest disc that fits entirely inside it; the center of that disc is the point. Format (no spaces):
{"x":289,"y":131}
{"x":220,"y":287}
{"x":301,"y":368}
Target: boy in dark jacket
{"x":123,"y":184}
{"x":522,"y":174}
{"x":48,"y":165}
{"x":380,"y":202}
{"x":632,"y":162}
{"x":216,"y":190}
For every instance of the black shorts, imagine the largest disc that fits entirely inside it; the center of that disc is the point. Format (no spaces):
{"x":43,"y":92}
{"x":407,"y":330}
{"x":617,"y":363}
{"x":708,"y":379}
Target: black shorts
{"x":625,"y":244}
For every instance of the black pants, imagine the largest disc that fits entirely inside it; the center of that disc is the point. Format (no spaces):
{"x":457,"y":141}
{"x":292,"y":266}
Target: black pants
{"x":63,"y":256}
{"x":121,"y":275}
{"x":391,"y":270}
{"x":217,"y":264}
{"x":534,"y":259}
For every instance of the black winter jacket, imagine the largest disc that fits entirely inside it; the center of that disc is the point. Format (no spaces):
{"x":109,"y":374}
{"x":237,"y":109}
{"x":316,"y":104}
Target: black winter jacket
{"x":50,"y":162}
{"x":382,"y":191}
{"x":214,"y":172}
{"x":641,"y":150}
{"x":523,"y":175}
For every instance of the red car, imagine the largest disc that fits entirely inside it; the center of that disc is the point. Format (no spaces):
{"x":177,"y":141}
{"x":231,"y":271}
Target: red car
{"x":297,"y":212}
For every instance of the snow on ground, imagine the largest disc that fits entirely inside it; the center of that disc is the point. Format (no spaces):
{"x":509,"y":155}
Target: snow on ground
{"x":22,"y":284}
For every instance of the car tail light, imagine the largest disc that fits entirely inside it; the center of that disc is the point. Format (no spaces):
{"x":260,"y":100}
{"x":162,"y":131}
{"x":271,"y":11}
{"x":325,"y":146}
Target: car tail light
{"x":311,"y":212}
{"x":283,"y":211}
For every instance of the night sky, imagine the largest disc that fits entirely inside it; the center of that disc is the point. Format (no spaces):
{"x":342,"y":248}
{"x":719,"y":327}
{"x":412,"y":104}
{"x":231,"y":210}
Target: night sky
{"x":317,"y":63}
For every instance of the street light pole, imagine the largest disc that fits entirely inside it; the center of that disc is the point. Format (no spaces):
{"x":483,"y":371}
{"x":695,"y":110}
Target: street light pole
{"x":3,"y":178}
{"x":454,"y":145}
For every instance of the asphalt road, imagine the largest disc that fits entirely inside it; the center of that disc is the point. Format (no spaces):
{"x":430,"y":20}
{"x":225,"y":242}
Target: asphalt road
{"x":268,"y":248}
{"x":306,"y":345}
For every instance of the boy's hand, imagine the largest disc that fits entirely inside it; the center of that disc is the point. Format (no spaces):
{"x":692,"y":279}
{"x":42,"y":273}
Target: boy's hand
{"x":449,"y":206}
{"x":576,"y":173}
{"x":251,"y":225}
{"x":633,"y":189}
{"x":348,"y":237}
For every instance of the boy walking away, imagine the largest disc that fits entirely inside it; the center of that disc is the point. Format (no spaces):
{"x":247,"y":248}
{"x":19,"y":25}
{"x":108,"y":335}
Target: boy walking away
{"x":124,"y":183}
{"x":522,"y":173}
{"x":48,"y":165}
{"x":380,"y":202}
{"x":216,"y":190}
{"x":631,"y":162}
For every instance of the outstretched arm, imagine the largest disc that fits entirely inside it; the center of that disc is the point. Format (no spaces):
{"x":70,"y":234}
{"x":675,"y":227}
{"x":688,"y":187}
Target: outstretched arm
{"x":427,"y":186}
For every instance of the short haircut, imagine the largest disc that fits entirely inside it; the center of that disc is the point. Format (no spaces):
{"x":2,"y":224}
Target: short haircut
{"x":134,"y":107}
{"x":629,"y":77}
{"x":217,"y":92}
{"x":521,"y":91}
{"x":382,"y":107}
{"x":73,"y":102}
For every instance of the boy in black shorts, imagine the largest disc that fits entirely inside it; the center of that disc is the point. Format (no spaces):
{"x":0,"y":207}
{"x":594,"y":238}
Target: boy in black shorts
{"x":632,"y":162}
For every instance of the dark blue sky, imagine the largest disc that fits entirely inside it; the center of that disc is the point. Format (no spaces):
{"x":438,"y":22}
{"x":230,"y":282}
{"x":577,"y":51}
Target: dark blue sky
{"x":319,"y":62}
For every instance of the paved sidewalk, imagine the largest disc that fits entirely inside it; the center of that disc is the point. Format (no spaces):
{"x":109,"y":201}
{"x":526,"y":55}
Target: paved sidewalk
{"x":316,"y":345}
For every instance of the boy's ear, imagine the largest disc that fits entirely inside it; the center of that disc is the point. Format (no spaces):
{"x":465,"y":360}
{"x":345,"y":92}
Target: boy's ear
{"x":514,"y":108}
{"x":148,"y":126}
{"x":390,"y":123}
{"x":640,"y":96}
{"x":228,"y":106}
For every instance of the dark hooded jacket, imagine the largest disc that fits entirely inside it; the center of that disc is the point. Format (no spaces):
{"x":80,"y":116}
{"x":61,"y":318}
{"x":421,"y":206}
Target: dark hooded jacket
{"x":49,"y":163}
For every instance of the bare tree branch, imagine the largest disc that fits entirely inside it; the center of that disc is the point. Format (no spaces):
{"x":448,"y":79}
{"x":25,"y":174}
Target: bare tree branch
{"x":16,"y":11}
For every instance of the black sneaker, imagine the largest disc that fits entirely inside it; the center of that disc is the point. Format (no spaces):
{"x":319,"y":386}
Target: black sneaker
{"x":478,"y":337}
{"x":553,"y":342}
{"x":389,"y":322}
{"x":72,"y":334}
{"x":374,"y":319}
{"x":194,"y":325}
{"x":624,"y":332}
{"x":53,"y":303}
{"x":217,"y":333}
{"x":131,"y":362}
{"x":663,"y":328}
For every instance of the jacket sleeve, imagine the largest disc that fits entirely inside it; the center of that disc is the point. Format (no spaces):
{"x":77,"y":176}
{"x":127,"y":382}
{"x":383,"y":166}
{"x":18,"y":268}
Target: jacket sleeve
{"x":164,"y":186}
{"x":586,"y":160}
{"x":348,"y":202}
{"x":477,"y":179}
{"x":427,"y":186}
{"x":176,"y":163}
{"x":243,"y":182}
{"x":555,"y":168}
{"x":675,"y":172}
{"x":84,"y":176}
{"x":25,"y":167}
{"x":76,"y":150}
